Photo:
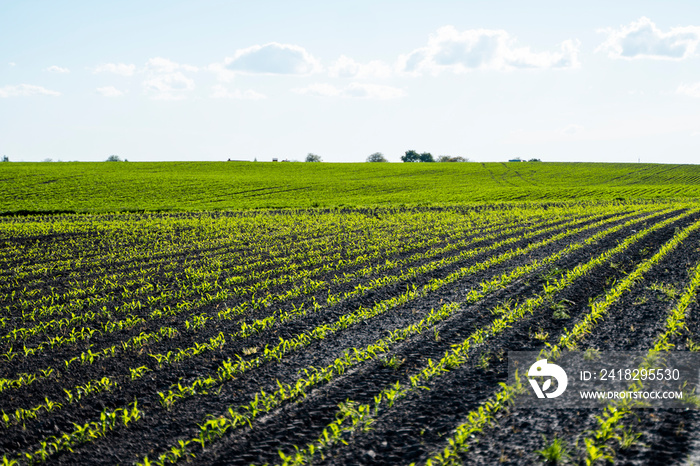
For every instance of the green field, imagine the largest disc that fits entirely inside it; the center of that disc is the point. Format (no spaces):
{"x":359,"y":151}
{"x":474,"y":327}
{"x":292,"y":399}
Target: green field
{"x":166,"y":186}
{"x":315,"y":336}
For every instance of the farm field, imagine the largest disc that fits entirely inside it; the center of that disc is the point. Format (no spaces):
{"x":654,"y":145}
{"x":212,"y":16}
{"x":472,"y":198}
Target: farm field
{"x":197,"y":186}
{"x":338,"y":336}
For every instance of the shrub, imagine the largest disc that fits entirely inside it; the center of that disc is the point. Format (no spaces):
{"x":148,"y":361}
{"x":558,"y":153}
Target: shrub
{"x":377,"y":157}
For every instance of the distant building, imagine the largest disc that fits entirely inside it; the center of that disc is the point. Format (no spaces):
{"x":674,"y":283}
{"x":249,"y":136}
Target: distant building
{"x":517,"y":159}
{"x":274,"y":160}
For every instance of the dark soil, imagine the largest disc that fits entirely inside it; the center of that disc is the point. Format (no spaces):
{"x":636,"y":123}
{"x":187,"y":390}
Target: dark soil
{"x":416,"y":426}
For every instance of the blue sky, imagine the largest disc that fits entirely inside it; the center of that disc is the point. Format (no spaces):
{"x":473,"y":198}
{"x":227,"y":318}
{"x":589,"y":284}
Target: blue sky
{"x":487,"y":80}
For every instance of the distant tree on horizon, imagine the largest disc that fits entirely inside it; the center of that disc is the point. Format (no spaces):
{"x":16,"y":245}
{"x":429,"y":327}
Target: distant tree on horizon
{"x":113,"y":158}
{"x":447,"y":158}
{"x":313,"y":158}
{"x":376,"y":157}
{"x":413,"y":156}
{"x":5,"y":158}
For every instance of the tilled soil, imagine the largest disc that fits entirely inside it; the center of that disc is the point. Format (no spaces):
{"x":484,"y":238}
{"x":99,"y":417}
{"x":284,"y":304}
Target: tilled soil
{"x":416,"y":426}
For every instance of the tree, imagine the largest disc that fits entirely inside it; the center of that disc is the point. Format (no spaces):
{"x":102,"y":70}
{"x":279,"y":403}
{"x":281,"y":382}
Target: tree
{"x":113,"y":158}
{"x":534,"y":160}
{"x":313,"y":158}
{"x":447,"y":158}
{"x":5,"y":158}
{"x":427,"y":157}
{"x":413,"y":156}
{"x":377,"y":157}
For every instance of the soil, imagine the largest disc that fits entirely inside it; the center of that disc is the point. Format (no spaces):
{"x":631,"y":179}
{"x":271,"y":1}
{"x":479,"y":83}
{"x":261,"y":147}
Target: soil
{"x":416,"y":426}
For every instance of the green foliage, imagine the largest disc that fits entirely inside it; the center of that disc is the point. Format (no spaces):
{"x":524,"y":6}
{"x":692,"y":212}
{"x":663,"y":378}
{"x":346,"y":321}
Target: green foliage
{"x":591,"y":354}
{"x":410,"y":156}
{"x":560,"y":309}
{"x":393,"y":362}
{"x":555,"y":452}
{"x":413,"y":156}
{"x":447,"y":158}
{"x":312,"y":158}
{"x":666,"y":289}
{"x":113,"y":158}
{"x":376,"y":157}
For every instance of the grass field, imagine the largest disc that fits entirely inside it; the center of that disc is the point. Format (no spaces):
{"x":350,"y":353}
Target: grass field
{"x":165,"y":186}
{"x":373,"y":334}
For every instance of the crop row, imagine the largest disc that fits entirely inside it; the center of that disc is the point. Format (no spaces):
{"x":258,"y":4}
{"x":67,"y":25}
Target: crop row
{"x":453,"y":359}
{"x":431,"y":287}
{"x":199,"y":321}
{"x":460,"y":441}
{"x":242,"y":328}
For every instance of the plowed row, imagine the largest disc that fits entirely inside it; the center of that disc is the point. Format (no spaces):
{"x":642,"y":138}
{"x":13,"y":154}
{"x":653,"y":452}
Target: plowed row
{"x":326,"y":337}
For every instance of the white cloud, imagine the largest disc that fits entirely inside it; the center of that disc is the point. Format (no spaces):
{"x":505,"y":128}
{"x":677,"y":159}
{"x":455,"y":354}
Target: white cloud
{"x":692,"y":90}
{"x":170,"y":86}
{"x":165,"y":79}
{"x":222,"y":74}
{"x":346,"y":67}
{"x":273,"y":58}
{"x":23,"y":90}
{"x":353,"y":90}
{"x":57,"y":69}
{"x":116,"y":68}
{"x":451,"y":50}
{"x":642,"y":39}
{"x":109,"y":91}
{"x":12,"y":63}
{"x":221,"y":92}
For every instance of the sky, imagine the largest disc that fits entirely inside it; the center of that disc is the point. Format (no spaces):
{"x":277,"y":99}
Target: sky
{"x":204,"y":80}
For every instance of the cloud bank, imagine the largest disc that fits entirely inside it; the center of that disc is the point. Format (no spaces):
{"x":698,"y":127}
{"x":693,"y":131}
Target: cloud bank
{"x":57,"y":69}
{"x":166,"y":79}
{"x":273,"y":58}
{"x":692,"y":90}
{"x":642,"y":39}
{"x":116,"y":68}
{"x":459,"y":52}
{"x":346,"y":67}
{"x":109,"y":91}
{"x":24,"y":90}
